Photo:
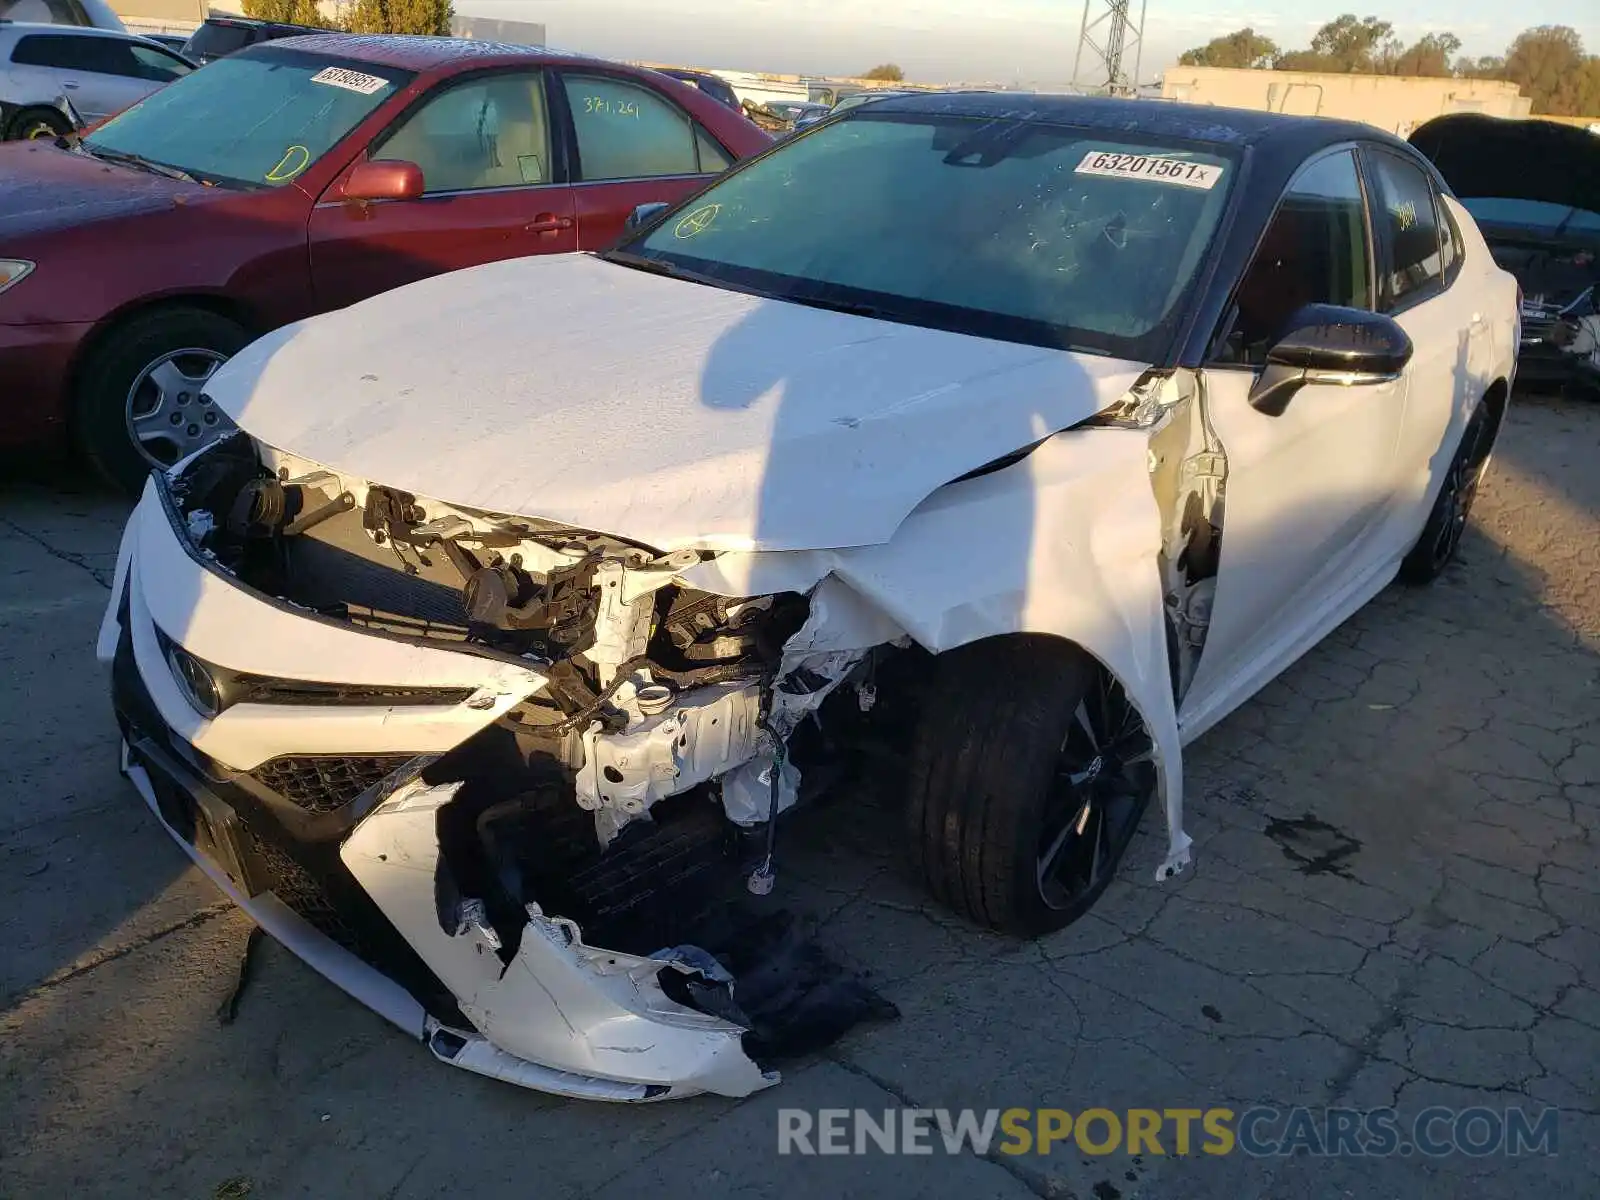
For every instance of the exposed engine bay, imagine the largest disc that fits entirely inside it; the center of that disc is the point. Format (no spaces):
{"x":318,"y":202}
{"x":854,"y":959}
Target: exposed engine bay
{"x":640,"y":787}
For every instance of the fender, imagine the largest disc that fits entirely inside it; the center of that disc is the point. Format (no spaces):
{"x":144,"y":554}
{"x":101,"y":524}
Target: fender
{"x":1080,"y":507}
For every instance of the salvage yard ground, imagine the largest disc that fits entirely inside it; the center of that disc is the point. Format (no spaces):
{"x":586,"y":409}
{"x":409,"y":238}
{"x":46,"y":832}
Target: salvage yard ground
{"x":1394,"y":902}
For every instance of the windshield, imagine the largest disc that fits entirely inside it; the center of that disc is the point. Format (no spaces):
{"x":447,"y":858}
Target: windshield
{"x":1008,"y":229}
{"x":860,"y":98}
{"x":217,"y":38}
{"x":254,"y":119}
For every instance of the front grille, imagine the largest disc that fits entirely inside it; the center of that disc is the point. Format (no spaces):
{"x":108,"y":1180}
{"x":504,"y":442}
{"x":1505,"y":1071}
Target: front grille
{"x":324,"y":783}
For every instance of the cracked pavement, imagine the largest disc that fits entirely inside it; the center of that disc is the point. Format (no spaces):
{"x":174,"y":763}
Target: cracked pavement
{"x":1393,"y":903}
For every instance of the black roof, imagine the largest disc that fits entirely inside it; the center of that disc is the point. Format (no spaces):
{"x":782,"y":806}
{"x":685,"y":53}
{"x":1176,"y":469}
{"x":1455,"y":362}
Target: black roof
{"x":1159,"y":118}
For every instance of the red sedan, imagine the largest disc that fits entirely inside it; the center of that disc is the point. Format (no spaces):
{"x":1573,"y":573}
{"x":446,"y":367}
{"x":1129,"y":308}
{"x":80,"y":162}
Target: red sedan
{"x":299,"y":176}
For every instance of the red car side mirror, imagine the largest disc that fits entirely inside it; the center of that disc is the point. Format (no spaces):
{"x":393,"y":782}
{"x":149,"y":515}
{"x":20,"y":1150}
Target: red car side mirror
{"x":384,"y":179}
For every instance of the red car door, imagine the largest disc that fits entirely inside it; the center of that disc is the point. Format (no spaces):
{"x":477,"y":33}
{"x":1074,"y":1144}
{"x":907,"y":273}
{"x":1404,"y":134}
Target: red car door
{"x":494,"y":186}
{"x":633,"y":145}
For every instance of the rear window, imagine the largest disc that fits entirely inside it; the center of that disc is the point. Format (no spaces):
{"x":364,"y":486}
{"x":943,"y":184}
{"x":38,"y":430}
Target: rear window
{"x":216,"y":39}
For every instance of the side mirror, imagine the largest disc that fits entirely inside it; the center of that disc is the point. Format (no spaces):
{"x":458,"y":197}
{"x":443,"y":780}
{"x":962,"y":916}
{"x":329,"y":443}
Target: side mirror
{"x":69,"y":110}
{"x":384,"y":179}
{"x":1325,"y":343}
{"x":643,"y":215}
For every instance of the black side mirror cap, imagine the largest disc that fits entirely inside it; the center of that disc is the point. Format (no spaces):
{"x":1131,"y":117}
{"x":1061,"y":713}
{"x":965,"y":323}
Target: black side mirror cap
{"x":1326,"y":343}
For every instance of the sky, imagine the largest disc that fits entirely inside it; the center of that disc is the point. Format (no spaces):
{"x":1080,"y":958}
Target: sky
{"x":991,"y":41}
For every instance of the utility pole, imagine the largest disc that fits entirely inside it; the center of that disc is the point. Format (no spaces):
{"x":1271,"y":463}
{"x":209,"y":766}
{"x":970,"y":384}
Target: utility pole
{"x":1110,"y":37}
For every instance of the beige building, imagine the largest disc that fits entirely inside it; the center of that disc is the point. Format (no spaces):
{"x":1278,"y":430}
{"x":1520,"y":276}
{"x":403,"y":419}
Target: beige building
{"x":171,"y":16}
{"x":1392,"y":102}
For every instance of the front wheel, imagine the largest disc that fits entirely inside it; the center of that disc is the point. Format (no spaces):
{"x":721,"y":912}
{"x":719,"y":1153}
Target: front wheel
{"x":140,"y":401}
{"x":1031,"y":772}
{"x":1447,"y":521}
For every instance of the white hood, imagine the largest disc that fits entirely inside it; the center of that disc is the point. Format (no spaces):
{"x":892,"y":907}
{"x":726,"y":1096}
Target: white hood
{"x":670,"y":413}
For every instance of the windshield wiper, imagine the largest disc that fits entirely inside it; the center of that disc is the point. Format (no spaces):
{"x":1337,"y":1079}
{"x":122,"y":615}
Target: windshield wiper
{"x":658,"y":266}
{"x":134,"y":160}
{"x":854,"y":308}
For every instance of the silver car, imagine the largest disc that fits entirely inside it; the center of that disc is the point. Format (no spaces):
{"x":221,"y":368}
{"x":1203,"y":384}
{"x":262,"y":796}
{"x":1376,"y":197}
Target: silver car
{"x":100,"y":71}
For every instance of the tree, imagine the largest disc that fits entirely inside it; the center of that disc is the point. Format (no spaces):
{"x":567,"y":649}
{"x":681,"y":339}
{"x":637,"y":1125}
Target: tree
{"x":1549,"y":65}
{"x":294,"y":12}
{"x":1241,"y":48}
{"x":888,"y":72}
{"x":1353,"y":44}
{"x":1300,"y":60}
{"x":1487,"y":66}
{"x":402,"y":16}
{"x":1428,"y":55}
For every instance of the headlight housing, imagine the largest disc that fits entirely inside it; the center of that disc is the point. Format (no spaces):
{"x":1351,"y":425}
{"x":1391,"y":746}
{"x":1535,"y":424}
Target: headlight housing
{"x":13,"y":271}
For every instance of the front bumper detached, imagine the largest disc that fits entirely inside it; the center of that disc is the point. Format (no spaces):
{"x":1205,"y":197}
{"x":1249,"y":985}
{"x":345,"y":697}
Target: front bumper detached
{"x":318,"y":822}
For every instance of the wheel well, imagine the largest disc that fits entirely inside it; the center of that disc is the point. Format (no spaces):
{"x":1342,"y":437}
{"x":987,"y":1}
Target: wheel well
{"x":14,"y":113}
{"x":223,"y":306}
{"x":1495,"y":398}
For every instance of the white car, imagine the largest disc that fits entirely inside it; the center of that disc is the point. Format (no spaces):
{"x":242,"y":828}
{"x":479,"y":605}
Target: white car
{"x":1050,"y":429}
{"x":100,"y":71}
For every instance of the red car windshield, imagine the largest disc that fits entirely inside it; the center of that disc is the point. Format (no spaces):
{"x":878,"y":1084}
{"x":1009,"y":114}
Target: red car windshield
{"x":256,"y":119}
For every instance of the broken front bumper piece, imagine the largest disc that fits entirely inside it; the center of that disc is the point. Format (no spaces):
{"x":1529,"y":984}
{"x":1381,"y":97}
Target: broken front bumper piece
{"x":598,"y":1014}
{"x":351,"y":886}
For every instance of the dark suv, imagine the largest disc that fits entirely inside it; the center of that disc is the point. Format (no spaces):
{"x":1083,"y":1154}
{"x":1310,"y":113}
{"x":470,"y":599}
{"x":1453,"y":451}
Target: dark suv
{"x":219,"y":36}
{"x":712,"y":85}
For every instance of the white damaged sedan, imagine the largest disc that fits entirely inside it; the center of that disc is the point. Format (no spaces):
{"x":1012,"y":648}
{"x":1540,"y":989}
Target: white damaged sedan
{"x":480,"y":664}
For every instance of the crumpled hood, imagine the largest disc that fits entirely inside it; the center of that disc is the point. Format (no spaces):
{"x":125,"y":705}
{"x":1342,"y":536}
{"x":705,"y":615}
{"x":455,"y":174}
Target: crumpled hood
{"x":671,"y":413}
{"x":43,"y":189}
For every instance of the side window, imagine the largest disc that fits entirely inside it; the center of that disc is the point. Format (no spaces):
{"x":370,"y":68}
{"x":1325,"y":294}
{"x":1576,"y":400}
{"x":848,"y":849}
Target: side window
{"x":1404,"y":208}
{"x":57,"y":50}
{"x":626,"y":131}
{"x":492,"y":132}
{"x":713,"y":158}
{"x":155,"y":64}
{"x":1314,"y":251}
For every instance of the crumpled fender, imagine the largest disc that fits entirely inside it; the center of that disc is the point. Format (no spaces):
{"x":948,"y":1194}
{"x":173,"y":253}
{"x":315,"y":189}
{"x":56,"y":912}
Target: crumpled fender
{"x":1063,"y":542}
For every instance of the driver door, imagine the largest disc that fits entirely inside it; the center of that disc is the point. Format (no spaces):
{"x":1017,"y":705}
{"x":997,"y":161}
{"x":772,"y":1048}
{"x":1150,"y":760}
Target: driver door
{"x":1306,"y":490}
{"x":494,"y":187}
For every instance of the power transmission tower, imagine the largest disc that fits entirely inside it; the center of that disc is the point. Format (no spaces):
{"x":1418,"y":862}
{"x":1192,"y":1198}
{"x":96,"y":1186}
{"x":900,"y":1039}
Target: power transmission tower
{"x":1109,"y":39}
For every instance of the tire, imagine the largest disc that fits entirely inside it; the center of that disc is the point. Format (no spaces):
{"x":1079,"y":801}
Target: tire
{"x":37,"y":123}
{"x":1441,"y":534}
{"x":121,"y":378}
{"x":1001,"y":771}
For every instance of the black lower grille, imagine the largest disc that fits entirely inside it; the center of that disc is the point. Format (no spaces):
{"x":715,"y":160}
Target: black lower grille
{"x":323,"y":783}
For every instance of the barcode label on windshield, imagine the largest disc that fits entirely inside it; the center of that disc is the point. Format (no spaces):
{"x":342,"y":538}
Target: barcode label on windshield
{"x":1147,"y":166}
{"x":350,"y":81}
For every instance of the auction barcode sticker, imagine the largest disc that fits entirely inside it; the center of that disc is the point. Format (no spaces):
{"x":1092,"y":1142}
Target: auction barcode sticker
{"x":1148,"y":166}
{"x":350,"y":81}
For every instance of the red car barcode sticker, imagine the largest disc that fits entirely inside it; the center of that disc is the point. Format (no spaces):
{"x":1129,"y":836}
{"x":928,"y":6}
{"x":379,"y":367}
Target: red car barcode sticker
{"x":1178,"y":171}
{"x":350,"y":81}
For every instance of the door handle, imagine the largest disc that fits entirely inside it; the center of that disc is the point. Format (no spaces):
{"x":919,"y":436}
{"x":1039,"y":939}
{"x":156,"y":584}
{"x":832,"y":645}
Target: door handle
{"x":70,"y":84}
{"x":547,"y":223}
